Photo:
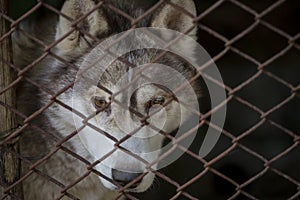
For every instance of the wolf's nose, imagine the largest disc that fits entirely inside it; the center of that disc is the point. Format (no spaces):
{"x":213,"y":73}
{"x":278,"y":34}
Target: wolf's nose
{"x":123,"y":178}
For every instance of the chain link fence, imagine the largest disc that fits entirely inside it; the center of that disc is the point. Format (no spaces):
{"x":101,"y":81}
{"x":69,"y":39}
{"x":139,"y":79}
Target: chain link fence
{"x":255,"y":46}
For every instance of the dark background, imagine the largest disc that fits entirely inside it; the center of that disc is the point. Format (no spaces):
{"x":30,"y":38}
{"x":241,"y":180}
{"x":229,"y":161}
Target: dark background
{"x":264,"y":92}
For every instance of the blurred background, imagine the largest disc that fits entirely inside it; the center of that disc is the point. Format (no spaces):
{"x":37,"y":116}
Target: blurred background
{"x":278,"y":29}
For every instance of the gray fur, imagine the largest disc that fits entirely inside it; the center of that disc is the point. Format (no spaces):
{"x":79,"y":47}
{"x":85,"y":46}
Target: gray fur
{"x":53,"y":75}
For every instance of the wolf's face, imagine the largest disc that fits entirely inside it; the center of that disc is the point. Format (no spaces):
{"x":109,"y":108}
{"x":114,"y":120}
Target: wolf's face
{"x":118,"y":121}
{"x":126,"y":121}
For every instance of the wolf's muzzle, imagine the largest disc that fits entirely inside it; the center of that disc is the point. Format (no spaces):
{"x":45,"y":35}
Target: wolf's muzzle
{"x":123,"y":178}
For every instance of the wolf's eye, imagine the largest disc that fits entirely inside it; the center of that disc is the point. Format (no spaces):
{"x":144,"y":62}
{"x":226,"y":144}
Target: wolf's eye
{"x":159,"y":100}
{"x":99,"y":102}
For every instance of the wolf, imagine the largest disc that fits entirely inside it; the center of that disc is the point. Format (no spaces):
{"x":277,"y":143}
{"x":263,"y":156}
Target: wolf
{"x":78,"y":46}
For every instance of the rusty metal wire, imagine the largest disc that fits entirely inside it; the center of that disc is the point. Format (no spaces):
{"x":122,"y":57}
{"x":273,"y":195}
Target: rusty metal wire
{"x":208,"y":165}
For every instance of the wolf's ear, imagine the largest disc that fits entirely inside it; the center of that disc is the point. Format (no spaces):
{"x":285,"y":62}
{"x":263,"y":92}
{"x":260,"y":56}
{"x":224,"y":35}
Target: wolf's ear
{"x":76,"y":42}
{"x":173,"y":18}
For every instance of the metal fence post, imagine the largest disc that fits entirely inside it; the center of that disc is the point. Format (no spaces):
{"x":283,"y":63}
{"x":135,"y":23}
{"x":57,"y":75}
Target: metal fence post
{"x":9,"y":162}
